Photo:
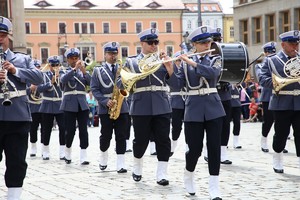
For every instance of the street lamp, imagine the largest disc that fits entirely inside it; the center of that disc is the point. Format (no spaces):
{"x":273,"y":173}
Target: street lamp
{"x":186,"y":46}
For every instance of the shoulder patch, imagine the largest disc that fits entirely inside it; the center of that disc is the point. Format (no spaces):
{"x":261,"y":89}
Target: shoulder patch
{"x":132,"y":56}
{"x":273,"y":54}
{"x":18,"y":52}
{"x":218,"y":63}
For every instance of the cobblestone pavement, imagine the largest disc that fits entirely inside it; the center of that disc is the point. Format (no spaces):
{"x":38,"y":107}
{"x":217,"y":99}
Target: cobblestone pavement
{"x":249,"y":177}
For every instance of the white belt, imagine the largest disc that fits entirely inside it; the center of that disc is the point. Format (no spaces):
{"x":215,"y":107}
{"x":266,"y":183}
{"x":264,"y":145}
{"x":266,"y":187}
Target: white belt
{"x":74,"y":92}
{"x":181,"y":93}
{"x":151,"y":88}
{"x":35,"y":102}
{"x":202,"y":91}
{"x":286,"y":92}
{"x":235,"y":96}
{"x":13,"y":94}
{"x":51,"y":98}
{"x":107,"y":95}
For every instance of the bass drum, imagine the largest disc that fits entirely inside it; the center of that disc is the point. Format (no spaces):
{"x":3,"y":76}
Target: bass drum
{"x":235,"y":61}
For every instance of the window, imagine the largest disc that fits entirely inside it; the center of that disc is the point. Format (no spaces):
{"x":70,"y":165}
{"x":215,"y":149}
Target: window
{"x":84,"y":27}
{"x":138,"y":27}
{"x":214,"y":8}
{"x":45,"y":54}
{"x":43,"y":27}
{"x":62,"y":28}
{"x":27,"y":27}
{"x":244,"y":27}
{"x":189,"y":24}
{"x":215,"y":23}
{"x":29,"y":51}
{"x":207,"y":22}
{"x":3,"y":8}
{"x":168,"y":27}
{"x":123,"y":27}
{"x":169,"y":50}
{"x":124,"y":51}
{"x":231,"y":31}
{"x":153,"y":25}
{"x":271,"y":29}
{"x":205,"y":8}
{"x":243,"y":1}
{"x":138,"y":50}
{"x":298,"y":23}
{"x":105,"y":27}
{"x":285,"y":17}
{"x":257,"y":30}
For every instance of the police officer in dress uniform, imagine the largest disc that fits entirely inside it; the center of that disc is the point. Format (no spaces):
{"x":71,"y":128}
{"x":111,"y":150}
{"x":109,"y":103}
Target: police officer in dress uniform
{"x":236,"y":115}
{"x":203,"y":110}
{"x":17,"y":70}
{"x":74,"y":80}
{"x":224,"y":91}
{"x":150,"y":110}
{"x":35,"y":100}
{"x":103,"y":85}
{"x":52,"y":97}
{"x":285,"y":104}
{"x":177,"y":103}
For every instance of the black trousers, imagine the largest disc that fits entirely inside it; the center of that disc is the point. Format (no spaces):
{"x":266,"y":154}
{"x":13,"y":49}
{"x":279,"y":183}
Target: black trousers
{"x":268,"y":119}
{"x":159,"y":126}
{"x":283,"y":121}
{"x":177,"y":120}
{"x":36,"y":121}
{"x":128,"y":127}
{"x":14,"y":143}
{"x":47,"y":121}
{"x":118,"y":126}
{"x":236,"y":119}
{"x":70,"y":123}
{"x":226,"y":123}
{"x":194,"y":134}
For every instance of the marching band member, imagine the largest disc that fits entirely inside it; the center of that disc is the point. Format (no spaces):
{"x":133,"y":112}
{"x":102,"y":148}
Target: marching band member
{"x":203,"y":110}
{"x":105,"y":91}
{"x":224,"y":91}
{"x":52,"y":96}
{"x":177,"y":104}
{"x":17,"y":70}
{"x":236,"y":112}
{"x":150,"y":110}
{"x":35,"y":101}
{"x":74,"y":80}
{"x":284,"y":104}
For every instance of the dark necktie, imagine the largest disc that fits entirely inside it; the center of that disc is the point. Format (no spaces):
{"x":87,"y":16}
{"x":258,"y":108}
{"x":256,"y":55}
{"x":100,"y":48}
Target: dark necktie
{"x":288,"y":57}
{"x":4,"y":56}
{"x":113,"y":69}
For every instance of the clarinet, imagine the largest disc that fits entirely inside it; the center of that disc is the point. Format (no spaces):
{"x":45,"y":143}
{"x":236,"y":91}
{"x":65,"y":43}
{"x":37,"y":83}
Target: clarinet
{"x":4,"y":88}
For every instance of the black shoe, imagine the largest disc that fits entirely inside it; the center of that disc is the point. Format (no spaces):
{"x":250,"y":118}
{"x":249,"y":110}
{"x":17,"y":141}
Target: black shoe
{"x":136,"y":178}
{"x":163,"y":182}
{"x":226,"y":162}
{"x":217,"y":198}
{"x":46,"y":158}
{"x":206,"y":158}
{"x":85,"y":163}
{"x":32,"y":155}
{"x":171,"y":154}
{"x":122,"y":170}
{"x":128,"y":150}
{"x":153,"y":154}
{"x":63,"y":158}
{"x":285,"y":151}
{"x":265,"y":150}
{"x":238,"y":147}
{"x":280,"y":171}
{"x":102,"y":167}
{"x":67,"y":161}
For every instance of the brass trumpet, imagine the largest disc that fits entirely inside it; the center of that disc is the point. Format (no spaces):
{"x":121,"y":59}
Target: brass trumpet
{"x":88,"y":59}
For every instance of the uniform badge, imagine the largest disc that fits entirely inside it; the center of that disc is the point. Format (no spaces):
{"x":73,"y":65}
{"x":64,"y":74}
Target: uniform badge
{"x":113,"y":44}
{"x":218,"y":30}
{"x":204,"y":29}
{"x":55,"y":57}
{"x":1,"y":20}
{"x":272,"y":44}
{"x":153,"y":30}
{"x":72,"y":50}
{"x":217,"y":64}
{"x":296,"y":33}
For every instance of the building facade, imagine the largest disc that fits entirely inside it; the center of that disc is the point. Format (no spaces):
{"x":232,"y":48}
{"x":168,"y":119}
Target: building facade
{"x":260,"y":21}
{"x":54,"y":25}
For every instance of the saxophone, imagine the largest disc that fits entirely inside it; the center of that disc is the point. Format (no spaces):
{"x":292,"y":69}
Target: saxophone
{"x":117,"y":96}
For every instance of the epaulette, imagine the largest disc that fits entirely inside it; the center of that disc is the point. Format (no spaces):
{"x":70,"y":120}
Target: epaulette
{"x":18,"y":52}
{"x":132,"y":56}
{"x":214,"y":55}
{"x":271,"y":55}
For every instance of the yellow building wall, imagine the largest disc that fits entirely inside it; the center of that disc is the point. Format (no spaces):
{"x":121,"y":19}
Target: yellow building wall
{"x":227,"y":24}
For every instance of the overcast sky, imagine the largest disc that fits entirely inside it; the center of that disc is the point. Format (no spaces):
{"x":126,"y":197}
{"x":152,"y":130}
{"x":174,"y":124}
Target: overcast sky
{"x":227,"y":6}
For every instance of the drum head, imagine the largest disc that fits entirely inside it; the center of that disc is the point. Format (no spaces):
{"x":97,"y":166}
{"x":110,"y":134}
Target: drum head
{"x":235,"y":61}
